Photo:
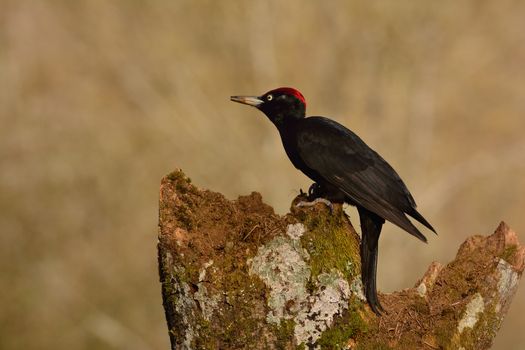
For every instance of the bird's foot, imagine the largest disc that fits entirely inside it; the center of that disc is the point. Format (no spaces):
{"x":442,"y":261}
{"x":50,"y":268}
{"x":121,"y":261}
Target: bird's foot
{"x":372,"y":298}
{"x":316,"y":201}
{"x":315,"y":191}
{"x":376,"y":306}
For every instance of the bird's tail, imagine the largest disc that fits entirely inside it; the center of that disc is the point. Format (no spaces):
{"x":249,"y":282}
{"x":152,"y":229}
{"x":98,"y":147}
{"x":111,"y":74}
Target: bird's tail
{"x":400,"y":219}
{"x":371,"y":225}
{"x":415,"y":214}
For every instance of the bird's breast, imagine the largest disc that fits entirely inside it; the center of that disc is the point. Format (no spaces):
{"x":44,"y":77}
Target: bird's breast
{"x":289,"y":140}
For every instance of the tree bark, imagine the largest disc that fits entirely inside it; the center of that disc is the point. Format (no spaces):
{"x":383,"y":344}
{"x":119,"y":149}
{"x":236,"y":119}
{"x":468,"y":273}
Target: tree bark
{"x":235,"y":275}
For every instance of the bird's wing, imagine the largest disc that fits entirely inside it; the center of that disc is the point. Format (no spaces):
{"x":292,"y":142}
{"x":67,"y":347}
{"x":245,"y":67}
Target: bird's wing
{"x":341,"y":158}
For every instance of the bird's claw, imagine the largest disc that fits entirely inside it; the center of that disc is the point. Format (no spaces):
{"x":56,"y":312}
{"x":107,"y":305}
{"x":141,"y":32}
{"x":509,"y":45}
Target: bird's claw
{"x":377,"y":308}
{"x":316,"y":201}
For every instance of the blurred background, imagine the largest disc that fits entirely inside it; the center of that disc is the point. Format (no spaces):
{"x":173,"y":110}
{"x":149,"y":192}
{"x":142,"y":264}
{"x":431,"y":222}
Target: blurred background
{"x":100,"y":99}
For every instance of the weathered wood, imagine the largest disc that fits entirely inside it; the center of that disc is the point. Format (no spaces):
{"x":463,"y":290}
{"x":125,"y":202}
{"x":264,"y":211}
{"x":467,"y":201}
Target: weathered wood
{"x":235,"y":275}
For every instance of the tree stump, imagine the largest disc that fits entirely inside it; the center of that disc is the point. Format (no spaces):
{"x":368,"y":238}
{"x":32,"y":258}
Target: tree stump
{"x":235,"y":275}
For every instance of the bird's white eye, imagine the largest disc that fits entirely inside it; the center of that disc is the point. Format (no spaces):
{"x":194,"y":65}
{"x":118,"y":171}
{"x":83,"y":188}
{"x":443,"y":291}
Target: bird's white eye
{"x":269,"y":97}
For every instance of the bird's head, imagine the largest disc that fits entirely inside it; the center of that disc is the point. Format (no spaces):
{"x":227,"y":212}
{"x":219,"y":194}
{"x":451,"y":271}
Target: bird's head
{"x":280,"y":105}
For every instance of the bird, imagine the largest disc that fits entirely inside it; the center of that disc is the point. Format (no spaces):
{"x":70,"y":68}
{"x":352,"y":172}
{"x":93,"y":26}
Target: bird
{"x":344,"y":170}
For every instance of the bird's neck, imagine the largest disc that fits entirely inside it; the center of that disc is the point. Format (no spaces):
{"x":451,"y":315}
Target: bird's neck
{"x":288,"y":133}
{"x":285,"y":122}
{"x":284,"y":118}
{"x":287,"y":127}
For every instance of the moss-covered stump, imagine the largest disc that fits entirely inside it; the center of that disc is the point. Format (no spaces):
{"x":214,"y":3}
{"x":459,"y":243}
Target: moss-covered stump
{"x":460,"y":305}
{"x":235,"y":275}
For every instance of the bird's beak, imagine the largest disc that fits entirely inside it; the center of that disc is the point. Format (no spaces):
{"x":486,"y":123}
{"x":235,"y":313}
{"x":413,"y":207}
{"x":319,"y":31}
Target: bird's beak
{"x":247,"y":100}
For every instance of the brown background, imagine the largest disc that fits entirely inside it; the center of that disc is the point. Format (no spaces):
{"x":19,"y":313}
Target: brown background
{"x":100,"y":99}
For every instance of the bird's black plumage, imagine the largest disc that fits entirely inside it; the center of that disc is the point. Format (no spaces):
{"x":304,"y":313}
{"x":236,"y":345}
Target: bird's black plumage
{"x":344,"y":169}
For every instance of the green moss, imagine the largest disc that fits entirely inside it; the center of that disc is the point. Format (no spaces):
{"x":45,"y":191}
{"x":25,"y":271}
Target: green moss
{"x":330,"y":245}
{"x":301,"y":347}
{"x":480,"y":336}
{"x":509,"y":252}
{"x":347,"y":326}
{"x":178,"y":175}
{"x":181,"y":181}
{"x":445,"y":334}
{"x":458,"y":275}
{"x":483,"y":332}
{"x":336,"y":337}
{"x":184,"y":217}
{"x":192,"y":271}
{"x":238,"y":323}
{"x":203,"y":341}
{"x":284,"y":333}
{"x":235,"y":327}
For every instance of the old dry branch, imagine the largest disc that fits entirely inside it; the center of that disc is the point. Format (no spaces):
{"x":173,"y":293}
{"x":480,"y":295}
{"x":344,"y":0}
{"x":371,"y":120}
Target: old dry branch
{"x":235,"y":275}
